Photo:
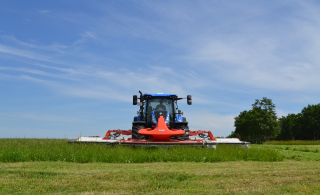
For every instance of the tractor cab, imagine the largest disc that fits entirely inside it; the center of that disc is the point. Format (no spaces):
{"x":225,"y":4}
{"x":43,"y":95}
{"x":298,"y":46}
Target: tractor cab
{"x":152,"y":106}
{"x":160,"y":106}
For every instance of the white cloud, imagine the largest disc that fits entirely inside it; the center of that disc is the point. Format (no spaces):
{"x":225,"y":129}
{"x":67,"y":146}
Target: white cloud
{"x":287,"y":60}
{"x":53,"y":47}
{"x":22,"y":53}
{"x":249,"y":57}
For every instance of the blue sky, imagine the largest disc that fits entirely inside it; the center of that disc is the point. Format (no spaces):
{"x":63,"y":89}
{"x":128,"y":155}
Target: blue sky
{"x":71,"y":67}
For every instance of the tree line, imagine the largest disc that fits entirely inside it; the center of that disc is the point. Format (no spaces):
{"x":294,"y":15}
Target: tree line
{"x":261,"y":123}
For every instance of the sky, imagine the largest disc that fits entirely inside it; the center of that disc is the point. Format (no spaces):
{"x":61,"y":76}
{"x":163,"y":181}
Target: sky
{"x":70,"y":68}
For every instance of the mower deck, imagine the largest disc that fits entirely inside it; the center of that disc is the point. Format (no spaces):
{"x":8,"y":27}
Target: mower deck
{"x":166,"y":144}
{"x":94,"y":139}
{"x":201,"y":143}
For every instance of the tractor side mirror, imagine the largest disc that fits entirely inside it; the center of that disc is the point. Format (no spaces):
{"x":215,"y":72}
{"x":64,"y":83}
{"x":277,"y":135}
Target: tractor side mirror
{"x":189,"y":99}
{"x":135,"y":100}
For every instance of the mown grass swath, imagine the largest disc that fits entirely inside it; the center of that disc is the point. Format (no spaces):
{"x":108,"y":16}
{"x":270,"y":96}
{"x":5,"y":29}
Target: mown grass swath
{"x":22,"y":150}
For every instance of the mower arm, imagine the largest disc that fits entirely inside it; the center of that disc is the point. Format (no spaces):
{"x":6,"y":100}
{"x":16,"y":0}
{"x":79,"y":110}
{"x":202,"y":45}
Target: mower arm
{"x":118,"y":131}
{"x":201,"y":132}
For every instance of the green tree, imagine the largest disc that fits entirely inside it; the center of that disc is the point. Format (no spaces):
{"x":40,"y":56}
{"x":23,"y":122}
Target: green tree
{"x":289,"y":126}
{"x":301,"y":126}
{"x":265,"y":104}
{"x":310,"y":122}
{"x":259,"y":124}
{"x":238,"y":122}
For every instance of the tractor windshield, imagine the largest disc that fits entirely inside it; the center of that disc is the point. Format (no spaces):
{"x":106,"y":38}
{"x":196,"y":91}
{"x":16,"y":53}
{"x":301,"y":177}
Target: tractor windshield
{"x":160,"y":104}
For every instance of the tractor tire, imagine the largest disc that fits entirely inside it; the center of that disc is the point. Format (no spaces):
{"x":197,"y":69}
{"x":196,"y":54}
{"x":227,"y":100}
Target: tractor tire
{"x":135,"y":129}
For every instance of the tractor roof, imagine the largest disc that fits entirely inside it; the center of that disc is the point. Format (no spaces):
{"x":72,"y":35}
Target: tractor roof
{"x":159,"y":94}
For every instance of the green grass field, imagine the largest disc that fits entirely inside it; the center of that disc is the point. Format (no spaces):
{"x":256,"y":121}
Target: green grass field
{"x":294,"y":142}
{"x":24,"y":150}
{"x":296,"y":172}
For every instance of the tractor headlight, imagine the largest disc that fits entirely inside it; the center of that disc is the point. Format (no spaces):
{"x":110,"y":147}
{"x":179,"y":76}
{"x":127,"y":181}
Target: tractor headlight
{"x":167,"y":118}
{"x":153,"y":119}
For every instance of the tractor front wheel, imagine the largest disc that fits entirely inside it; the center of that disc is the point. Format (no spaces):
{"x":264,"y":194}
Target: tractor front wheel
{"x":135,"y":129}
{"x":185,"y":128}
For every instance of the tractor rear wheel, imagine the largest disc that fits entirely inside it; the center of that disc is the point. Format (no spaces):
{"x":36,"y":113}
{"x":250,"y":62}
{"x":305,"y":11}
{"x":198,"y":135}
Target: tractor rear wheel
{"x":135,"y":129}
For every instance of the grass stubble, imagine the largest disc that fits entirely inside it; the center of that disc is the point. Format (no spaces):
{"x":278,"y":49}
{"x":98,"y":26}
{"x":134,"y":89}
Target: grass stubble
{"x":289,"y":175}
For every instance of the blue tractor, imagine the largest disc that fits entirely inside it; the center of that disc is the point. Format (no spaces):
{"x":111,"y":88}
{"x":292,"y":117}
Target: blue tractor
{"x":152,"y":106}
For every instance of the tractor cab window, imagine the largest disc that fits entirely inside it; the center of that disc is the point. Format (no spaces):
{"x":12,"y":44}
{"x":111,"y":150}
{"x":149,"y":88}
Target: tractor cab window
{"x":159,"y":104}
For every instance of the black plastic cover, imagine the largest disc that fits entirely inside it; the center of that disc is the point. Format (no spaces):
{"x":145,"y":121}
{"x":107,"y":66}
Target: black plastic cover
{"x":162,"y":113}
